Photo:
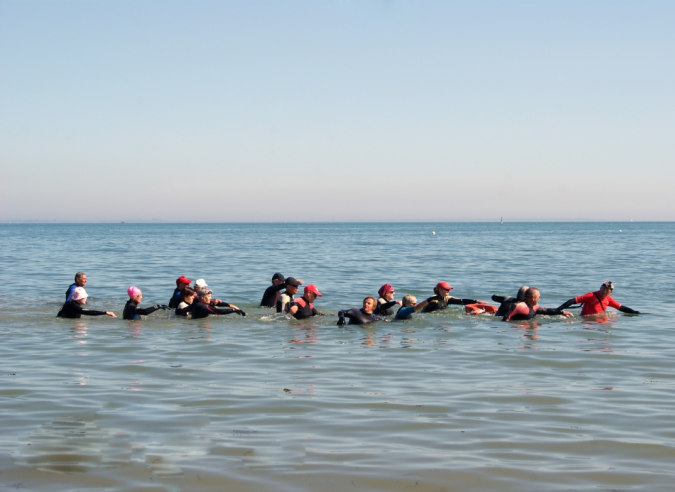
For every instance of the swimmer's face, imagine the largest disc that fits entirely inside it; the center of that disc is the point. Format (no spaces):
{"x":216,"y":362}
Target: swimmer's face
{"x":311,"y":296}
{"x":189,"y":299}
{"x":389,"y":296}
{"x":81,"y":281}
{"x":292,"y":289}
{"x":207,"y":299}
{"x":368,"y":306}
{"x":534,"y":300}
{"x":604,"y":291}
{"x":443,"y":292}
{"x":138,"y":298}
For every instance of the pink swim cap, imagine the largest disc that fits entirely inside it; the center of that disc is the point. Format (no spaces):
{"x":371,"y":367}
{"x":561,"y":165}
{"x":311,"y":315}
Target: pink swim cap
{"x":133,"y":291}
{"x":385,"y":289}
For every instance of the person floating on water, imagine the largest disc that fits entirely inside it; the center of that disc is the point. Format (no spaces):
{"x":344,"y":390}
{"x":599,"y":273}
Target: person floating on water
{"x":80,"y":281}
{"x":361,"y":316}
{"x":598,"y":301}
{"x":181,"y":283}
{"x":303,"y":308}
{"x":442,"y":299}
{"x":271,"y":295}
{"x":202,"y":306}
{"x":75,"y":307}
{"x":286,"y":298}
{"x":507,"y":303}
{"x":131,"y":310}
{"x":187,"y":297}
{"x":386,"y":301}
{"x":529,"y":308}
{"x":409,"y":307}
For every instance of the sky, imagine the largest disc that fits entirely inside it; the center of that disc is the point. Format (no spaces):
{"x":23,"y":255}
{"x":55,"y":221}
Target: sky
{"x":273,"y":111}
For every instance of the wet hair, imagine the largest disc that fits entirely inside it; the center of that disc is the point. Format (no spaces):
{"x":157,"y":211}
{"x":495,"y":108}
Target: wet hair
{"x":409,"y":300}
{"x":79,"y":275}
{"x":529,"y":293}
{"x":521,"y":293}
{"x":372,"y":298}
{"x":187,"y":291}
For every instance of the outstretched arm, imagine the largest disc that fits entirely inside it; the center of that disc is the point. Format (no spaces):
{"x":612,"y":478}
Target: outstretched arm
{"x":627,"y":310}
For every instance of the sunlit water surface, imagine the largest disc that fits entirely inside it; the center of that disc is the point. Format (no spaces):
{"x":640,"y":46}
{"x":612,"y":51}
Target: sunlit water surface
{"x":446,"y":402}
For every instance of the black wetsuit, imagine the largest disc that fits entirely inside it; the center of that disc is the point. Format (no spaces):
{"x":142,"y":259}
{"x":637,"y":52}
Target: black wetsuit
{"x":436,"y":303}
{"x":200,"y":309}
{"x":383,"y":307}
{"x":133,"y":312}
{"x":357,"y":317}
{"x":305,"y":309}
{"x":284,"y":302}
{"x":175,"y":299}
{"x":271,"y":295}
{"x":73,"y":309}
{"x":506,"y":304}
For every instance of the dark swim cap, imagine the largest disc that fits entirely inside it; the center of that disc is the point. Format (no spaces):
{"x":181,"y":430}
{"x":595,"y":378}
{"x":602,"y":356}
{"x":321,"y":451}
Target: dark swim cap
{"x":292,"y":281}
{"x":278,"y":276}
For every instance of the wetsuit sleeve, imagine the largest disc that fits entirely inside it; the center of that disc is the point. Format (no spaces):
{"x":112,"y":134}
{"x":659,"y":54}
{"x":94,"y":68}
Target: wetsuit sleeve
{"x":92,"y":312}
{"x":215,"y":310}
{"x":521,"y":308}
{"x":567,"y":304}
{"x":382,"y":308}
{"x":432,"y":304}
{"x":549,"y":311}
{"x":146,"y":311}
{"x":221,"y":303}
{"x":316,"y":313}
{"x":344,"y":314}
{"x":627,"y":310}
{"x":501,"y":299}
{"x":464,"y":302}
{"x":69,"y":292}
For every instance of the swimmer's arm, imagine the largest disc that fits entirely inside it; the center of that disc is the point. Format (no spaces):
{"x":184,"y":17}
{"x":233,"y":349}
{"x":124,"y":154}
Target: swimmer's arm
{"x":567,"y":304}
{"x":464,"y":302}
{"x":386,"y":305}
{"x":627,"y":310}
{"x":554,"y":312}
{"x":421,"y":305}
{"x":293,"y":309}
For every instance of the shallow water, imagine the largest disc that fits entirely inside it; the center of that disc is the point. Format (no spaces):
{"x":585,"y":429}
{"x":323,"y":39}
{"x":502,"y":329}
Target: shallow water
{"x":444,"y":402}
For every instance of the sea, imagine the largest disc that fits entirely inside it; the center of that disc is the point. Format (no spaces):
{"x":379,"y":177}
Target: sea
{"x":444,"y":402}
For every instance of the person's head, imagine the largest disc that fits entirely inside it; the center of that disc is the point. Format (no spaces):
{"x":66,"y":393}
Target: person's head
{"x":182,"y":282}
{"x":442,"y":289}
{"x":292,"y":286}
{"x":606,"y":289}
{"x":532,"y":296}
{"x":369,"y":304}
{"x":187,"y":295}
{"x":311,"y":293}
{"x":135,"y":294}
{"x":204,"y":295}
{"x":200,"y":284}
{"x":79,"y":295}
{"x":80,"y":279}
{"x":386,"y":292}
{"x":278,"y":279}
{"x":409,"y":300}
{"x":520,"y":296}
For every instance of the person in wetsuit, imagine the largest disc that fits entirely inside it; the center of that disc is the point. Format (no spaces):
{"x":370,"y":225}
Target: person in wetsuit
{"x":598,"y":301}
{"x":409,"y":307}
{"x":181,"y":283}
{"x":80,"y":281}
{"x":506,"y":303}
{"x":442,"y":299}
{"x":286,"y":298}
{"x":529,"y":308}
{"x":187,"y":297}
{"x":303,"y":308}
{"x":386,"y":301}
{"x":361,"y":316}
{"x":272,"y":293}
{"x":74,"y":308}
{"x":202,"y":307}
{"x":131,"y":310}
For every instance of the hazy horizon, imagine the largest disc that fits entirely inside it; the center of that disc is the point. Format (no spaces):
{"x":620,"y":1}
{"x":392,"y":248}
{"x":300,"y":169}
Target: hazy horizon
{"x":336,"y":111}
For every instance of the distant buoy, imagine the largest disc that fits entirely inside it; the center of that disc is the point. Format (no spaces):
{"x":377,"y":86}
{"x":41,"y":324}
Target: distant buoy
{"x":433,"y":233}
{"x":620,"y":230}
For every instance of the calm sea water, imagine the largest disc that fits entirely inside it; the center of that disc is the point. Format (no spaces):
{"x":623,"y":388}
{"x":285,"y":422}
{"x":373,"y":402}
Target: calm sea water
{"x":446,"y":402}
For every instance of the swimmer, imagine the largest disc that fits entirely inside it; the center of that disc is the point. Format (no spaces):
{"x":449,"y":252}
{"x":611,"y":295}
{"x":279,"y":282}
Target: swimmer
{"x":303,"y":308}
{"x":131,"y":310}
{"x":506,"y":304}
{"x":386,"y":301}
{"x":271,"y":295}
{"x":187,"y":297}
{"x":200,"y":284}
{"x":285,"y":299}
{"x":409,"y":307}
{"x":360,"y":316}
{"x":74,"y":308}
{"x":442,"y":299}
{"x":598,"y":301}
{"x":202,"y":307}
{"x":181,"y":283}
{"x":529,"y":308}
{"x":80,"y":281}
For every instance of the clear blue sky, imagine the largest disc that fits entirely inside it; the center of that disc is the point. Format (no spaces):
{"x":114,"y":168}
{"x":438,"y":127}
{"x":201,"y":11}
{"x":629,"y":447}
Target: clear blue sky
{"x":337,"y":110}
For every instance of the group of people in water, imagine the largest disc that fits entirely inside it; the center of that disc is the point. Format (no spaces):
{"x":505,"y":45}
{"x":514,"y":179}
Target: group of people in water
{"x":196,"y":301}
